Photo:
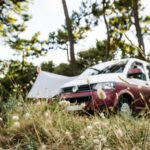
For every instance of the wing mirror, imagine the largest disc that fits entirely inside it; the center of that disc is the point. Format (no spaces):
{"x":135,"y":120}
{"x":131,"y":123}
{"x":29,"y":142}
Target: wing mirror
{"x":134,"y":71}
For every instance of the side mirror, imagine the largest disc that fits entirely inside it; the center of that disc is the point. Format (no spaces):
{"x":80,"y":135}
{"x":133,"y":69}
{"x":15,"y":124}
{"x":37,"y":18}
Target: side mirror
{"x":134,"y":71}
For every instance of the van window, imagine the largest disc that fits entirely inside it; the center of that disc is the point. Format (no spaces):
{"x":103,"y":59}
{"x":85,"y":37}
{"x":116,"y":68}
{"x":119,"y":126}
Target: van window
{"x":142,"y":75}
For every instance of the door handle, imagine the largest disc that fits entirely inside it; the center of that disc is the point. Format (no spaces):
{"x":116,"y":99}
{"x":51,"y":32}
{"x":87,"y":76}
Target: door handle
{"x":147,"y":84}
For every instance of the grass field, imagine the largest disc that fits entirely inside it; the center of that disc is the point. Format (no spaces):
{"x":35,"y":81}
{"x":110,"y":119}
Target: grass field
{"x":42,"y":126}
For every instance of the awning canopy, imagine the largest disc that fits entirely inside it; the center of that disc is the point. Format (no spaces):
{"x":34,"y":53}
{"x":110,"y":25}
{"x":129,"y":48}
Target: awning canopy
{"x":47,"y":85}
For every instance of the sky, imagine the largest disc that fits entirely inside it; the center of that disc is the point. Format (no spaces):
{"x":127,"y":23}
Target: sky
{"x":48,"y":16}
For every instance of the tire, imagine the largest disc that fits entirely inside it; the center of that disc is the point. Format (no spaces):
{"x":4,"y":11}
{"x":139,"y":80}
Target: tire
{"x":125,"y":106}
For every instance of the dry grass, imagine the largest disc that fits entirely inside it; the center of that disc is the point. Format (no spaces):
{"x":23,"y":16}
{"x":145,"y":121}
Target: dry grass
{"x":34,"y":126}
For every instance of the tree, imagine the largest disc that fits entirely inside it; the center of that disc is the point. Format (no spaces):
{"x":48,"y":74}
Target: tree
{"x":28,"y":47}
{"x":70,"y":37}
{"x":116,"y":23}
{"x":102,"y":11}
{"x":13,"y":15}
{"x":49,"y":66}
{"x":92,"y":55}
{"x":139,"y":34}
{"x":105,"y":6}
{"x":79,"y":25}
{"x":119,"y":17}
{"x":128,"y":12}
{"x":64,"y":69}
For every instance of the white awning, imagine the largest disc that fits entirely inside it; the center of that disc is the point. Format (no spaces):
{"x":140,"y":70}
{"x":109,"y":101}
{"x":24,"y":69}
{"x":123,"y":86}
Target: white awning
{"x":47,"y":85}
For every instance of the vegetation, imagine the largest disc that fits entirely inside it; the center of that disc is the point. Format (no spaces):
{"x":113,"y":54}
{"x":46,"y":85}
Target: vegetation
{"x":39,"y":125}
{"x":13,"y":15}
{"x":14,"y":78}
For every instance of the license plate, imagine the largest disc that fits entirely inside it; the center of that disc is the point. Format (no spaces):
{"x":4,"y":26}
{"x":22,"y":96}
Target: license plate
{"x":73,"y":108}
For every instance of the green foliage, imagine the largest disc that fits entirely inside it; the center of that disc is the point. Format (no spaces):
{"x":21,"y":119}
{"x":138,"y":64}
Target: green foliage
{"x":118,"y":17}
{"x":49,"y":66}
{"x":123,"y":6}
{"x":91,"y":56}
{"x":64,"y":69}
{"x":29,"y":47}
{"x":13,"y":15}
{"x":58,"y":40}
{"x":16,"y":79}
{"x":96,"y":54}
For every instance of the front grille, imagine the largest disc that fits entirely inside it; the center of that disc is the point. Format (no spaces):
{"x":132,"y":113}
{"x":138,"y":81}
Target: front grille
{"x":80,"y":88}
{"x":79,"y":99}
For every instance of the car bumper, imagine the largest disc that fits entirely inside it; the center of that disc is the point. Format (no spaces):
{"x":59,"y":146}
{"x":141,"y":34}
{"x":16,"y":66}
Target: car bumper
{"x":91,"y":99}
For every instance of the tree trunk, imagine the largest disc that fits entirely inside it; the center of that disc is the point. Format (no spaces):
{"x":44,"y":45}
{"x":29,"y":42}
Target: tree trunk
{"x":141,"y":51}
{"x":70,"y":38}
{"x":23,"y":61}
{"x":108,"y":34}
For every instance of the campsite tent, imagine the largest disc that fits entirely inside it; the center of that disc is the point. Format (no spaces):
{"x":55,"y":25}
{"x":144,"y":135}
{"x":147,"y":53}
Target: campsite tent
{"x":47,"y":85}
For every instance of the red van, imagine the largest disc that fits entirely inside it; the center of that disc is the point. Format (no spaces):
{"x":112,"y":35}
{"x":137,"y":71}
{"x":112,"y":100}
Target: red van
{"x":119,"y":85}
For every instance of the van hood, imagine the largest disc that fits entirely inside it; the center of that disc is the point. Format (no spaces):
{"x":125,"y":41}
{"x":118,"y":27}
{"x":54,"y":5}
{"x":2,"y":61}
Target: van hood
{"x":113,"y":77}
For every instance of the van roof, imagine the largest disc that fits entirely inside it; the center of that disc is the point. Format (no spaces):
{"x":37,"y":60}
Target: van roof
{"x":105,"y":64}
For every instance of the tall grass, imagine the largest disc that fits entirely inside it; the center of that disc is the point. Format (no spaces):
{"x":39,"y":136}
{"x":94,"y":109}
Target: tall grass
{"x":41,"y":125}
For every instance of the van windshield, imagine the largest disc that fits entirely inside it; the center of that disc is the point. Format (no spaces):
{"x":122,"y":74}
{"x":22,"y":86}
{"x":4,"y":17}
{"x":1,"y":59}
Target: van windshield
{"x":90,"y":72}
{"x":117,"y":67}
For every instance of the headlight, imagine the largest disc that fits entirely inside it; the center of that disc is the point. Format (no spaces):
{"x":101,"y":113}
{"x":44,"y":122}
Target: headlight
{"x":103,"y":85}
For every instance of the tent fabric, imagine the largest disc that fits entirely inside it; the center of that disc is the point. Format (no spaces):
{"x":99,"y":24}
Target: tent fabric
{"x":47,"y":85}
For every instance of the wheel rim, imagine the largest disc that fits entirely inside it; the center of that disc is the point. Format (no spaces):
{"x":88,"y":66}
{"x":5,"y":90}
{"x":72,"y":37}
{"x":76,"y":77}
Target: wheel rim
{"x":125,"y":109}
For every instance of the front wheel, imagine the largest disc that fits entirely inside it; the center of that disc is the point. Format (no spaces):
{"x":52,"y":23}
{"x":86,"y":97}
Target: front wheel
{"x":125,"y":106}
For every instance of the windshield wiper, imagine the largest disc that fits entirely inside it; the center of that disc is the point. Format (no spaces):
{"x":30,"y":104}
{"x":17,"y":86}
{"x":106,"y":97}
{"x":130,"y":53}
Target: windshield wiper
{"x":96,"y":70}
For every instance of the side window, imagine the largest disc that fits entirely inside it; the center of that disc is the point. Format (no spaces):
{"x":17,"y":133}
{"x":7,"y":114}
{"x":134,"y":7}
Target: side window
{"x":137,"y":71}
